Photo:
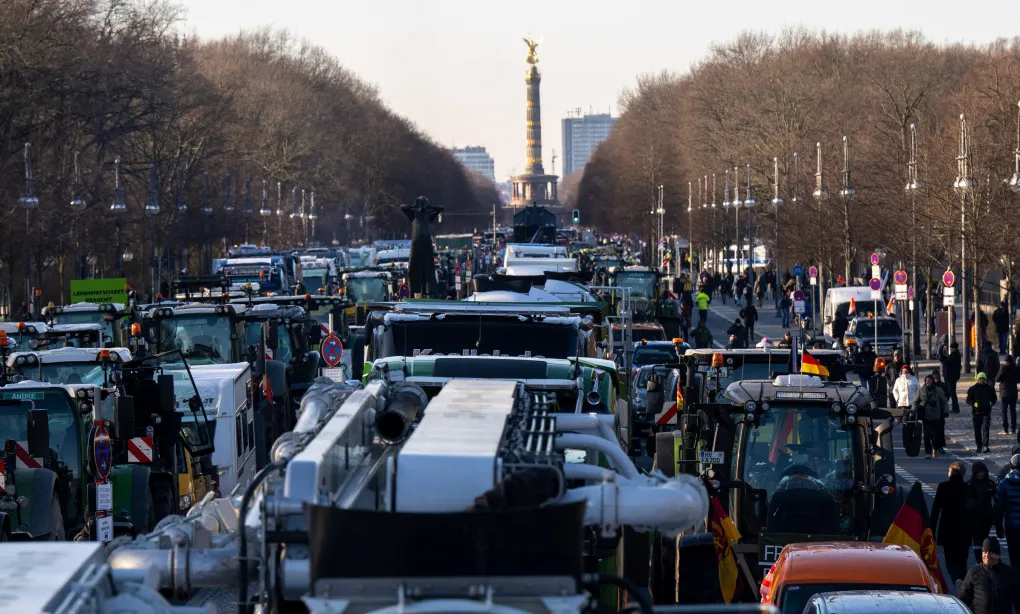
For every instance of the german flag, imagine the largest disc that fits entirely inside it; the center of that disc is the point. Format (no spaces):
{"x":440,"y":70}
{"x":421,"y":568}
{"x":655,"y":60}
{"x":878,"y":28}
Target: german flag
{"x":853,"y":306}
{"x":810,"y":364}
{"x":912,"y":528}
{"x":785,"y":435}
{"x":724,"y":534}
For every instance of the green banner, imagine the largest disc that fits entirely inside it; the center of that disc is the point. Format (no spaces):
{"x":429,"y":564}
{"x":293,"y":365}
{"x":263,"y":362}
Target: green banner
{"x":99,"y":290}
{"x":24,"y":396}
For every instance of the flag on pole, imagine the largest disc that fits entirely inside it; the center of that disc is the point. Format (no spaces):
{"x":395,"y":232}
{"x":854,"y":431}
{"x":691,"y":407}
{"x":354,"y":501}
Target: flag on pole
{"x":811,"y":365}
{"x":912,"y":528}
{"x":853,"y":306}
{"x":724,"y":535}
{"x":891,"y":305}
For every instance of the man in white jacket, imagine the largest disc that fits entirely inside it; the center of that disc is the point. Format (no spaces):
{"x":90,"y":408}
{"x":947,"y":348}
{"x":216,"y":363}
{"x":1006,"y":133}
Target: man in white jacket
{"x":906,"y":388}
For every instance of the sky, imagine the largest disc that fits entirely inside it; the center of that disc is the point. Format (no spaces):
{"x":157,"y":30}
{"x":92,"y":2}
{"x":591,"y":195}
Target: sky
{"x":456,"y":67}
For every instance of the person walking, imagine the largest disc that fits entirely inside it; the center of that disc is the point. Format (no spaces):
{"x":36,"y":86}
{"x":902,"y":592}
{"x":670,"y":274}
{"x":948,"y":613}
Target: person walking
{"x":931,"y":405}
{"x":988,"y":361}
{"x":1007,"y":508}
{"x":703,"y":299}
{"x":1000,"y":318}
{"x":750,"y":315}
{"x":905,"y":388}
{"x":942,"y":421}
{"x":951,"y":519}
{"x":785,"y":305}
{"x":982,"y":491}
{"x":980,"y":399}
{"x":1009,"y":376}
{"x":952,"y":367}
{"x":893,"y":368}
{"x":991,"y":586}
{"x":702,"y":336}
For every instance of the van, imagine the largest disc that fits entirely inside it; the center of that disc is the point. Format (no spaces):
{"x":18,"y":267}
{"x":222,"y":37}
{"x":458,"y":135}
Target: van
{"x":884,"y":602}
{"x":805,"y":569}
{"x":837,"y":300}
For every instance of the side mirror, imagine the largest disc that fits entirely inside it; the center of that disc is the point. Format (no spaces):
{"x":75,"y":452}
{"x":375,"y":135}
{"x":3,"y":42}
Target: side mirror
{"x":272,"y":335}
{"x":38,"y":433}
{"x":124,"y":418}
{"x":167,"y":405}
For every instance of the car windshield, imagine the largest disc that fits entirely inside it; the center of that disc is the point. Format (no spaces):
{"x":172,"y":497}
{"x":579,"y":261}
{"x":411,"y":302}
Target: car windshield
{"x":641,"y":283}
{"x":796,"y":596}
{"x":497,"y":337}
{"x":204,"y":339}
{"x":64,"y":373}
{"x":75,"y":339}
{"x":802,"y":458}
{"x":366,"y":289}
{"x":861,"y":308}
{"x":87,"y":317}
{"x":65,"y":438}
{"x":886,"y":328}
{"x":645,"y":355}
{"x":253,"y":337}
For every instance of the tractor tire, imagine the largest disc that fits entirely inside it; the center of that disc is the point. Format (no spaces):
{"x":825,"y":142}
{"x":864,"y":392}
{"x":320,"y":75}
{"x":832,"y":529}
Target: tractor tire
{"x":58,"y":534}
{"x":698,"y":575}
{"x":162,"y":501}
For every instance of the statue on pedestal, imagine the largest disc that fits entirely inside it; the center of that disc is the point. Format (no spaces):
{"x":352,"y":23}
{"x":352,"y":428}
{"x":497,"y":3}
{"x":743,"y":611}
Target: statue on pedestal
{"x":421,"y":269}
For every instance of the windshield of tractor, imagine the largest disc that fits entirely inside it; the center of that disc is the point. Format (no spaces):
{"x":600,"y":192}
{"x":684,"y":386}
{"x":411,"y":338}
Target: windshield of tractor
{"x":886,"y":328}
{"x":641,"y":283}
{"x":193,"y":405}
{"x":89,"y":317}
{"x":315,"y":278}
{"x":253,"y":337}
{"x":65,"y":437}
{"x":204,"y":339}
{"x":483,"y":337}
{"x":75,"y":339}
{"x":366,"y":289}
{"x":63,"y":373}
{"x":802,"y":458}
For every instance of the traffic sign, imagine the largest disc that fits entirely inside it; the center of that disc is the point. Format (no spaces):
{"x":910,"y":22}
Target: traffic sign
{"x":948,"y":278}
{"x":800,"y":307}
{"x":875,"y":284}
{"x":910,"y":292}
{"x":875,"y":260}
{"x":102,"y":452}
{"x":332,"y":350}
{"x":798,"y":295}
{"x":900,"y":277}
{"x":798,"y":269}
{"x":813,"y":271}
{"x":813,"y":281}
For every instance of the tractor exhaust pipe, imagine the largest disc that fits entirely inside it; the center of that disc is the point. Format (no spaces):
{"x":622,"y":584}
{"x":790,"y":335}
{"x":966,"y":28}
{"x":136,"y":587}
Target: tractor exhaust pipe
{"x":402,"y":411}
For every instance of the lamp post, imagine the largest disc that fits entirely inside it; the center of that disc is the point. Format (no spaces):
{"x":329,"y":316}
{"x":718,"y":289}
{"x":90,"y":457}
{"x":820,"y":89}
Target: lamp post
{"x":715,"y":256}
{"x":304,"y":221}
{"x":690,"y":225}
{"x":1014,"y":186}
{"x":913,"y":185}
{"x":846,"y":192}
{"x":777,"y":202}
{"x":207,"y":211}
{"x":726,"y":205}
{"x":182,"y":211}
{"x":247,"y":211}
{"x":312,"y":216}
{"x":29,"y":201}
{"x":749,"y":203}
{"x":963,"y":185}
{"x":736,"y":202}
{"x":279,"y":211}
{"x":821,"y":195}
{"x":152,"y":210}
{"x":264,"y":213}
{"x":78,"y":205}
{"x":118,"y":208}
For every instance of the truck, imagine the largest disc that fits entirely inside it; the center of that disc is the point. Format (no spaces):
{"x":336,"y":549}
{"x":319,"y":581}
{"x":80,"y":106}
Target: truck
{"x":837,"y":301}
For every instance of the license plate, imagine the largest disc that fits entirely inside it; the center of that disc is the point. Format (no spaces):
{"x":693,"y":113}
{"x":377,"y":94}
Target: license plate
{"x":104,"y":497}
{"x":104,"y":529}
{"x":711,"y":458}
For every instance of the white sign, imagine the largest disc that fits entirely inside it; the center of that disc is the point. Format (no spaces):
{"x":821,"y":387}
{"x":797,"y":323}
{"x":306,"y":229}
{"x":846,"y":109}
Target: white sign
{"x":876,"y":271}
{"x":911,"y":305}
{"x":337,"y":374}
{"x":813,"y":281}
{"x":900,"y":291}
{"x":104,"y":529}
{"x":104,"y":497}
{"x":948,"y":291}
{"x":876,"y":295}
{"x":948,"y":300}
{"x":711,"y":458}
{"x":800,"y":307}
{"x":457,"y":283}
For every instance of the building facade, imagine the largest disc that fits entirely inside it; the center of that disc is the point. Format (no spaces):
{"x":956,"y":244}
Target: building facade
{"x":476,"y":158}
{"x":581,"y":135}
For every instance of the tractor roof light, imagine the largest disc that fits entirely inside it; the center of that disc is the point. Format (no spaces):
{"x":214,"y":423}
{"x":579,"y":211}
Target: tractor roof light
{"x":851,"y":409}
{"x":3,"y":337}
{"x":836,"y":408}
{"x":104,"y":355}
{"x":32,"y":359}
{"x":20,"y":360}
{"x":750,"y":406}
{"x":717,"y":360}
{"x":136,"y":329}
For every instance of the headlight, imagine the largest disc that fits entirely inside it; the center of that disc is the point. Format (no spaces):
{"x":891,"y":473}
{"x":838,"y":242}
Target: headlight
{"x":851,"y":409}
{"x":765,"y":406}
{"x":711,"y":385}
{"x":851,"y":420}
{"x":729,"y":360}
{"x":184,"y":502}
{"x":31,"y":359}
{"x":20,"y":360}
{"x":836,"y":408}
{"x":750,"y":417}
{"x":750,"y":406}
{"x":80,"y":393}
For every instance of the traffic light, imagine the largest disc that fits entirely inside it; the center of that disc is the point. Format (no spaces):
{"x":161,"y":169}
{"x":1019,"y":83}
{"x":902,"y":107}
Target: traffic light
{"x":577,"y":216}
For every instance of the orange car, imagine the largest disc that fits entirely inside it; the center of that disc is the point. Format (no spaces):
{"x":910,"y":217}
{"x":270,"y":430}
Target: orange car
{"x":803,"y":570}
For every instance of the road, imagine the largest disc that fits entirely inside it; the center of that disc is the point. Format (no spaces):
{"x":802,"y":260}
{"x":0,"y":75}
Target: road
{"x":908,"y":470}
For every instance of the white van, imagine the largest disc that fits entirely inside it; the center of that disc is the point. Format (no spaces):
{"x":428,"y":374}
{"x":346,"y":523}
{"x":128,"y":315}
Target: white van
{"x":837,"y":300}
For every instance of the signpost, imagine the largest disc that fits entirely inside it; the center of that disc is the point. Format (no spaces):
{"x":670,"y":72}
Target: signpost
{"x":949,"y":300}
{"x":813,"y":275}
{"x":876,"y":288}
{"x":798,"y":270}
{"x":900,"y":285}
{"x":875,"y":260}
{"x":332,"y":352}
{"x":101,"y":459}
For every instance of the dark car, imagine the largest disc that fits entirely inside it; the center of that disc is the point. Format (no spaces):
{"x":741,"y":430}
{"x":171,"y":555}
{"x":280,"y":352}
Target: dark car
{"x":652,"y":353}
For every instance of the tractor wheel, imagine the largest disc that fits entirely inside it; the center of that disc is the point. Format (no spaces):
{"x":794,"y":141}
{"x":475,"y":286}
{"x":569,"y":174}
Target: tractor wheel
{"x":162,"y":500}
{"x":58,"y":534}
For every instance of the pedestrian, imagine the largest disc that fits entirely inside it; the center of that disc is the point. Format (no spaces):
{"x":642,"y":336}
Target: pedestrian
{"x":702,"y":336}
{"x":839,"y":326}
{"x":737,"y":330}
{"x":892,"y":372}
{"x":930,"y":405}
{"x":1007,"y":508}
{"x":988,"y":361}
{"x":1009,"y":376}
{"x":991,"y":587}
{"x":1000,"y":318}
{"x":980,"y":399}
{"x":905,"y":388}
{"x":703,"y":300}
{"x":952,"y":366}
{"x":951,"y":519}
{"x":982,"y":491}
{"x":785,"y":304}
{"x":942,"y":421}
{"x":750,"y":315}
{"x":786,"y":342}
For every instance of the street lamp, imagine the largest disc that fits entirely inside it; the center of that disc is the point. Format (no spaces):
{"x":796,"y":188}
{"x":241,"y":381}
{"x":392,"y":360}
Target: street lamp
{"x":207,"y":211}
{"x":182,"y":207}
{"x":152,"y":210}
{"x":312,"y":216}
{"x":265,"y":212}
{"x":78,"y":205}
{"x":228,"y":202}
{"x":963,"y":185}
{"x":846,"y":192}
{"x":29,"y":201}
{"x":913,"y":185}
{"x":736,"y":202}
{"x":690,"y":225}
{"x":247,"y":211}
{"x":118,"y":208}
{"x":777,"y":202}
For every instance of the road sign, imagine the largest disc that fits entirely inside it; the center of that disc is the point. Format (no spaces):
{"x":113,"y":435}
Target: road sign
{"x":875,"y":284}
{"x":798,"y":269}
{"x":800,"y":307}
{"x":813,"y":271}
{"x":104,"y":529}
{"x":876,"y":271}
{"x":102,"y":452}
{"x":813,"y":281}
{"x":875,"y":260}
{"x":900,"y":277}
{"x":948,"y":300}
{"x":332,"y":350}
{"x":900,"y":291}
{"x":948,"y":278}
{"x":910,"y":292}
{"x":798,"y":295}
{"x":949,"y":291}
{"x":104,"y":497}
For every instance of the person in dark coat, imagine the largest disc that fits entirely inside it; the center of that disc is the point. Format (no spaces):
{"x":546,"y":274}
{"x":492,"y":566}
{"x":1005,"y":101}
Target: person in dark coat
{"x":1007,"y":508}
{"x":1000,"y":318}
{"x":951,"y":369}
{"x":988,"y":361}
{"x":839,"y":326}
{"x":750,"y":315}
{"x":982,"y":492}
{"x":942,"y":422}
{"x":931,"y":406}
{"x":951,"y":520}
{"x":1009,"y":376}
{"x":980,"y":399}
{"x":892,"y":372}
{"x":991,"y":587}
{"x":737,"y":330}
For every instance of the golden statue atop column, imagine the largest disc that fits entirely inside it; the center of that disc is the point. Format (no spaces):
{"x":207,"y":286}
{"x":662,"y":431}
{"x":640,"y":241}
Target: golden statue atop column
{"x":534,"y":186}
{"x":532,"y":45}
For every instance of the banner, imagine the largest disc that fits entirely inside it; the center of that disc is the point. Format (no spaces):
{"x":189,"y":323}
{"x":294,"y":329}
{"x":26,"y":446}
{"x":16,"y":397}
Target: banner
{"x":112,"y":290}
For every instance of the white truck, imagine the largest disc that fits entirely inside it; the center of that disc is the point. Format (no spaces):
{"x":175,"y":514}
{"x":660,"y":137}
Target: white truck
{"x":837,"y":301}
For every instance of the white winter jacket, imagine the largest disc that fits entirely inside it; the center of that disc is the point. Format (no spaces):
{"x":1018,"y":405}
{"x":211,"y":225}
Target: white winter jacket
{"x":905,"y":390}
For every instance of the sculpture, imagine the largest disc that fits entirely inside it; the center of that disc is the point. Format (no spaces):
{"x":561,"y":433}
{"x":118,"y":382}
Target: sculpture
{"x":532,"y":45}
{"x":421,"y":270}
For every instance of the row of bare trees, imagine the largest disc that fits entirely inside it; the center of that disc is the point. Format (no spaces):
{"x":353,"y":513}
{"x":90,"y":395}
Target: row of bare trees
{"x":115,"y":79}
{"x":766,"y":96}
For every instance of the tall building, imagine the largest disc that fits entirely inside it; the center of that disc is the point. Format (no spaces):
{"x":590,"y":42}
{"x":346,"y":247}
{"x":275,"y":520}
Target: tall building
{"x":534,"y":186}
{"x":581,"y":135}
{"x":477,"y":159}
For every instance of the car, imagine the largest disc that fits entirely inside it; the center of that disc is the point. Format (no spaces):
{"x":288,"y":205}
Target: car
{"x":804,"y":570}
{"x":652,"y":353}
{"x":889,"y":335}
{"x":884,"y":602}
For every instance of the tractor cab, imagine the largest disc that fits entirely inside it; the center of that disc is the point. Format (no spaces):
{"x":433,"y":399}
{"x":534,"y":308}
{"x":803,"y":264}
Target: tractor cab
{"x":67,"y":365}
{"x":366,"y":285}
{"x":206,"y":334}
{"x":24,"y":336}
{"x":74,"y":336}
{"x":291,"y":330}
{"x":797,"y":459}
{"x":110,"y":316}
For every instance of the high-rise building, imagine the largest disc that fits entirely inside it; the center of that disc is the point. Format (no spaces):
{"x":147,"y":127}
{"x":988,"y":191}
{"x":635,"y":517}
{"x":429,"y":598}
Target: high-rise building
{"x":477,"y":159}
{"x":581,"y":135}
